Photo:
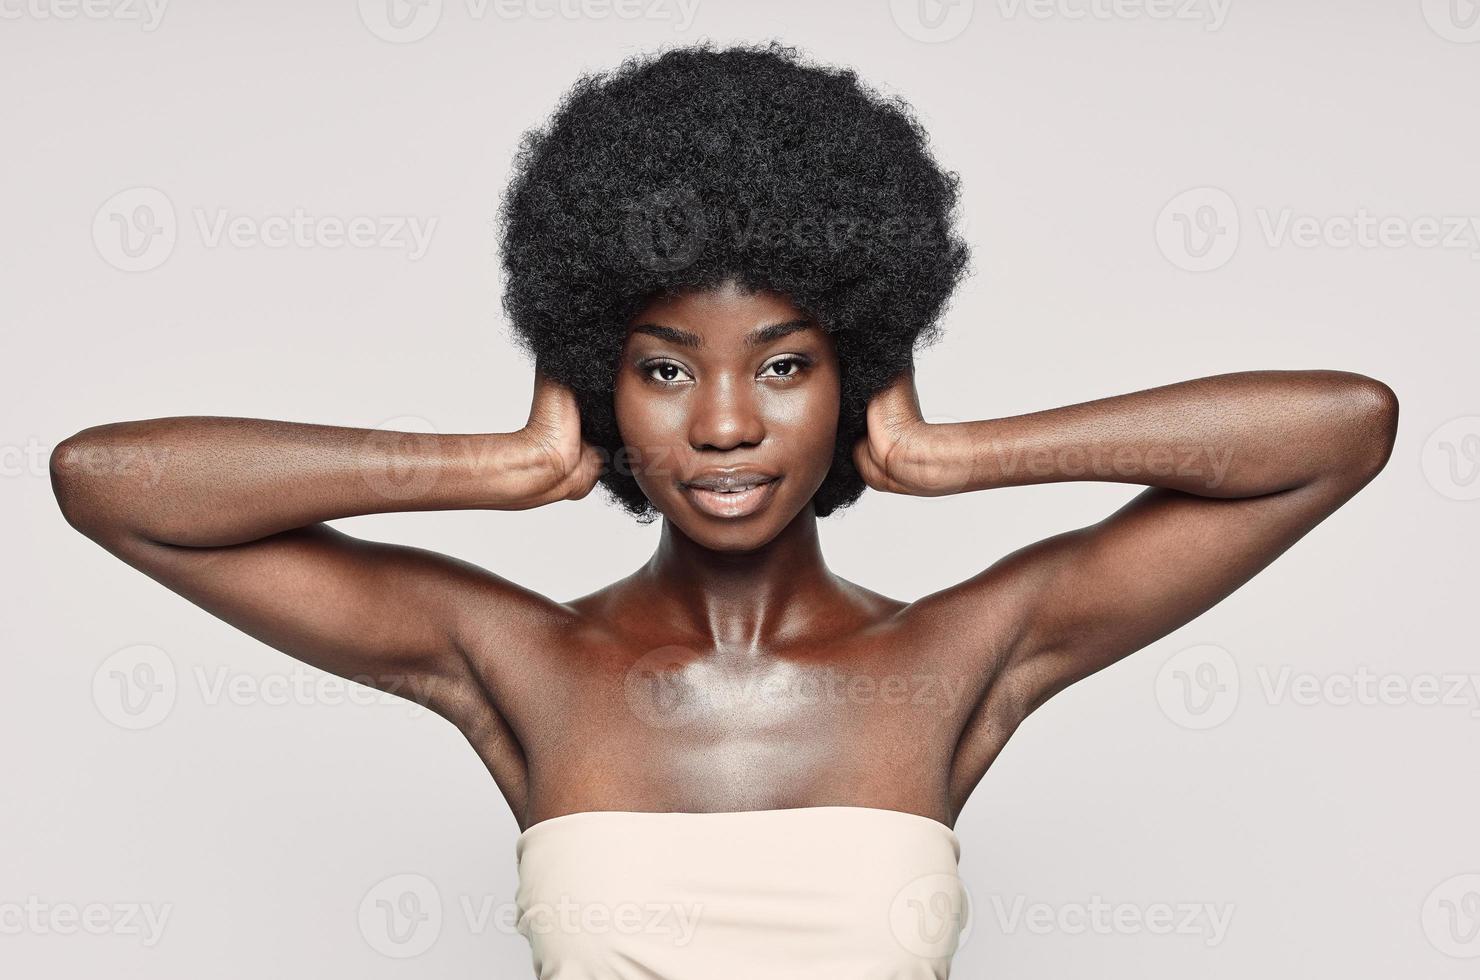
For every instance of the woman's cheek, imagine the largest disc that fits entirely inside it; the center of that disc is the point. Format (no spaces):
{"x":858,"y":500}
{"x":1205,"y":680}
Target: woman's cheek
{"x":808,"y":429}
{"x":656,"y":439}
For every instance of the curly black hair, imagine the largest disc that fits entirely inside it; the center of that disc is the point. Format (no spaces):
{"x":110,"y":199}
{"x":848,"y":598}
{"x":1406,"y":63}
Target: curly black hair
{"x":688,"y":168}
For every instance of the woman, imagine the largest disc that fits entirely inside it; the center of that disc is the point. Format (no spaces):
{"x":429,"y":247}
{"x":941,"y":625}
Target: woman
{"x":722,"y":262}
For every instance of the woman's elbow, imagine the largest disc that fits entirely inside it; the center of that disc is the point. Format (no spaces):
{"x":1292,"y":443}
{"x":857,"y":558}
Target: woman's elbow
{"x":1370,"y":418}
{"x":79,"y":466}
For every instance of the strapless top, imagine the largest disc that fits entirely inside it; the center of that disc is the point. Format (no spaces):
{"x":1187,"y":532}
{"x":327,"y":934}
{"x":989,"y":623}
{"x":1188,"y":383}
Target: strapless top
{"x":845,"y":892}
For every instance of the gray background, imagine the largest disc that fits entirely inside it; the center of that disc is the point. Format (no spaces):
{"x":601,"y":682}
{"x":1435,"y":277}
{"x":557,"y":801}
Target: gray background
{"x":1337,"y":832}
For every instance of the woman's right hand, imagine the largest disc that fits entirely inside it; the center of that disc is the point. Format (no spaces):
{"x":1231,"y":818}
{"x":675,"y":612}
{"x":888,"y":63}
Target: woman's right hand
{"x":555,"y":463}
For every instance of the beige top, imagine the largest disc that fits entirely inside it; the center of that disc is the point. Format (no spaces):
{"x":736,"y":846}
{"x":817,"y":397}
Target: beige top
{"x":812,"y":893}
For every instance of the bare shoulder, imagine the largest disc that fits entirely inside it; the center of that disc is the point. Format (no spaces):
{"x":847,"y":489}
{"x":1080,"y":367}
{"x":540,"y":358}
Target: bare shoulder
{"x":979,"y":620}
{"x":515,"y":644}
{"x":505,"y":628}
{"x":971,"y":632}
{"x":865,"y":609}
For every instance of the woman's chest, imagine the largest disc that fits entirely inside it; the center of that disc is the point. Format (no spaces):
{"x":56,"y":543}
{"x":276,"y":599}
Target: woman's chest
{"x":673,"y":727}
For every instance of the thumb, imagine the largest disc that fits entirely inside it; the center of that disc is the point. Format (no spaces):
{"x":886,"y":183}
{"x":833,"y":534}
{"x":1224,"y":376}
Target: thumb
{"x":897,"y":404}
{"x":552,"y":403}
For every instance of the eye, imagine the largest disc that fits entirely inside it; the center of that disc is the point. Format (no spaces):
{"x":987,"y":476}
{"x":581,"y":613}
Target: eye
{"x":663,"y":372}
{"x":788,"y":366}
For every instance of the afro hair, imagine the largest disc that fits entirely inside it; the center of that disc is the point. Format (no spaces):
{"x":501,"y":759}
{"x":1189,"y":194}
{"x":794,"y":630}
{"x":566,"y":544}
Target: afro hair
{"x":682,"y":170}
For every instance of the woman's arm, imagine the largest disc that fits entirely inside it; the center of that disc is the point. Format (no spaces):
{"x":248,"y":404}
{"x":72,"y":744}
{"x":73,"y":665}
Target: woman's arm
{"x":1240,"y":466}
{"x":1230,"y":435}
{"x":229,"y":512}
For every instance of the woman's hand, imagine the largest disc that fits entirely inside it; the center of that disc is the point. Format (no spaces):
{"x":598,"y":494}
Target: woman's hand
{"x":554,"y":462}
{"x":902,"y":453}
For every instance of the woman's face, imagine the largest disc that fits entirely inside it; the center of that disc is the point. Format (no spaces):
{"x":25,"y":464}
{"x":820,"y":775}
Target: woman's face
{"x":728,"y":405}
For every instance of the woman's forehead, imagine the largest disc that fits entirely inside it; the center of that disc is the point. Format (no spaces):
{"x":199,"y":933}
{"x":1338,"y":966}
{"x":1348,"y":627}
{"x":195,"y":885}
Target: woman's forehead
{"x":722,"y":316}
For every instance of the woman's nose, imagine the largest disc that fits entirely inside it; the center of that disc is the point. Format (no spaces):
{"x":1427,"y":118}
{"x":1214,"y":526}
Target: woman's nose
{"x":725,"y":414}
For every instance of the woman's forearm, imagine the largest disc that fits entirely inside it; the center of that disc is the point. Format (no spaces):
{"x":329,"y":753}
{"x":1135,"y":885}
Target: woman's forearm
{"x":1230,"y":435}
{"x":207,"y":481}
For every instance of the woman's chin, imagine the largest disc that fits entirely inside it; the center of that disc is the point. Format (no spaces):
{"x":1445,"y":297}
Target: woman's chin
{"x":730,"y":536}
{"x":734,"y":535}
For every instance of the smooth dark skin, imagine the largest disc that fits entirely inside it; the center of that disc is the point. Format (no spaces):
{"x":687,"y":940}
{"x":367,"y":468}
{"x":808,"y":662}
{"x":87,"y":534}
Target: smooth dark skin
{"x":571,"y":705}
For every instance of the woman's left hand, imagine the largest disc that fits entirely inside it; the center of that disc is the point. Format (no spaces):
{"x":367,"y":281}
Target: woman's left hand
{"x":902,"y":453}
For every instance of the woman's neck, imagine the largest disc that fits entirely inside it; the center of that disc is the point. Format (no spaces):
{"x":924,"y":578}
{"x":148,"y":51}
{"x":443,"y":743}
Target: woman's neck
{"x":742,"y":602}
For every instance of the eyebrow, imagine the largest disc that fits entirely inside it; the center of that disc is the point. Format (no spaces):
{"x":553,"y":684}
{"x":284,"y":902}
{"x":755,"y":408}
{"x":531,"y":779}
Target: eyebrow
{"x":756,"y":338}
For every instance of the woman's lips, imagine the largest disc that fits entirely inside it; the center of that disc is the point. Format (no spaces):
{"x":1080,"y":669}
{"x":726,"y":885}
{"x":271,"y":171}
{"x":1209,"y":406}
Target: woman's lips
{"x":738,"y":503}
